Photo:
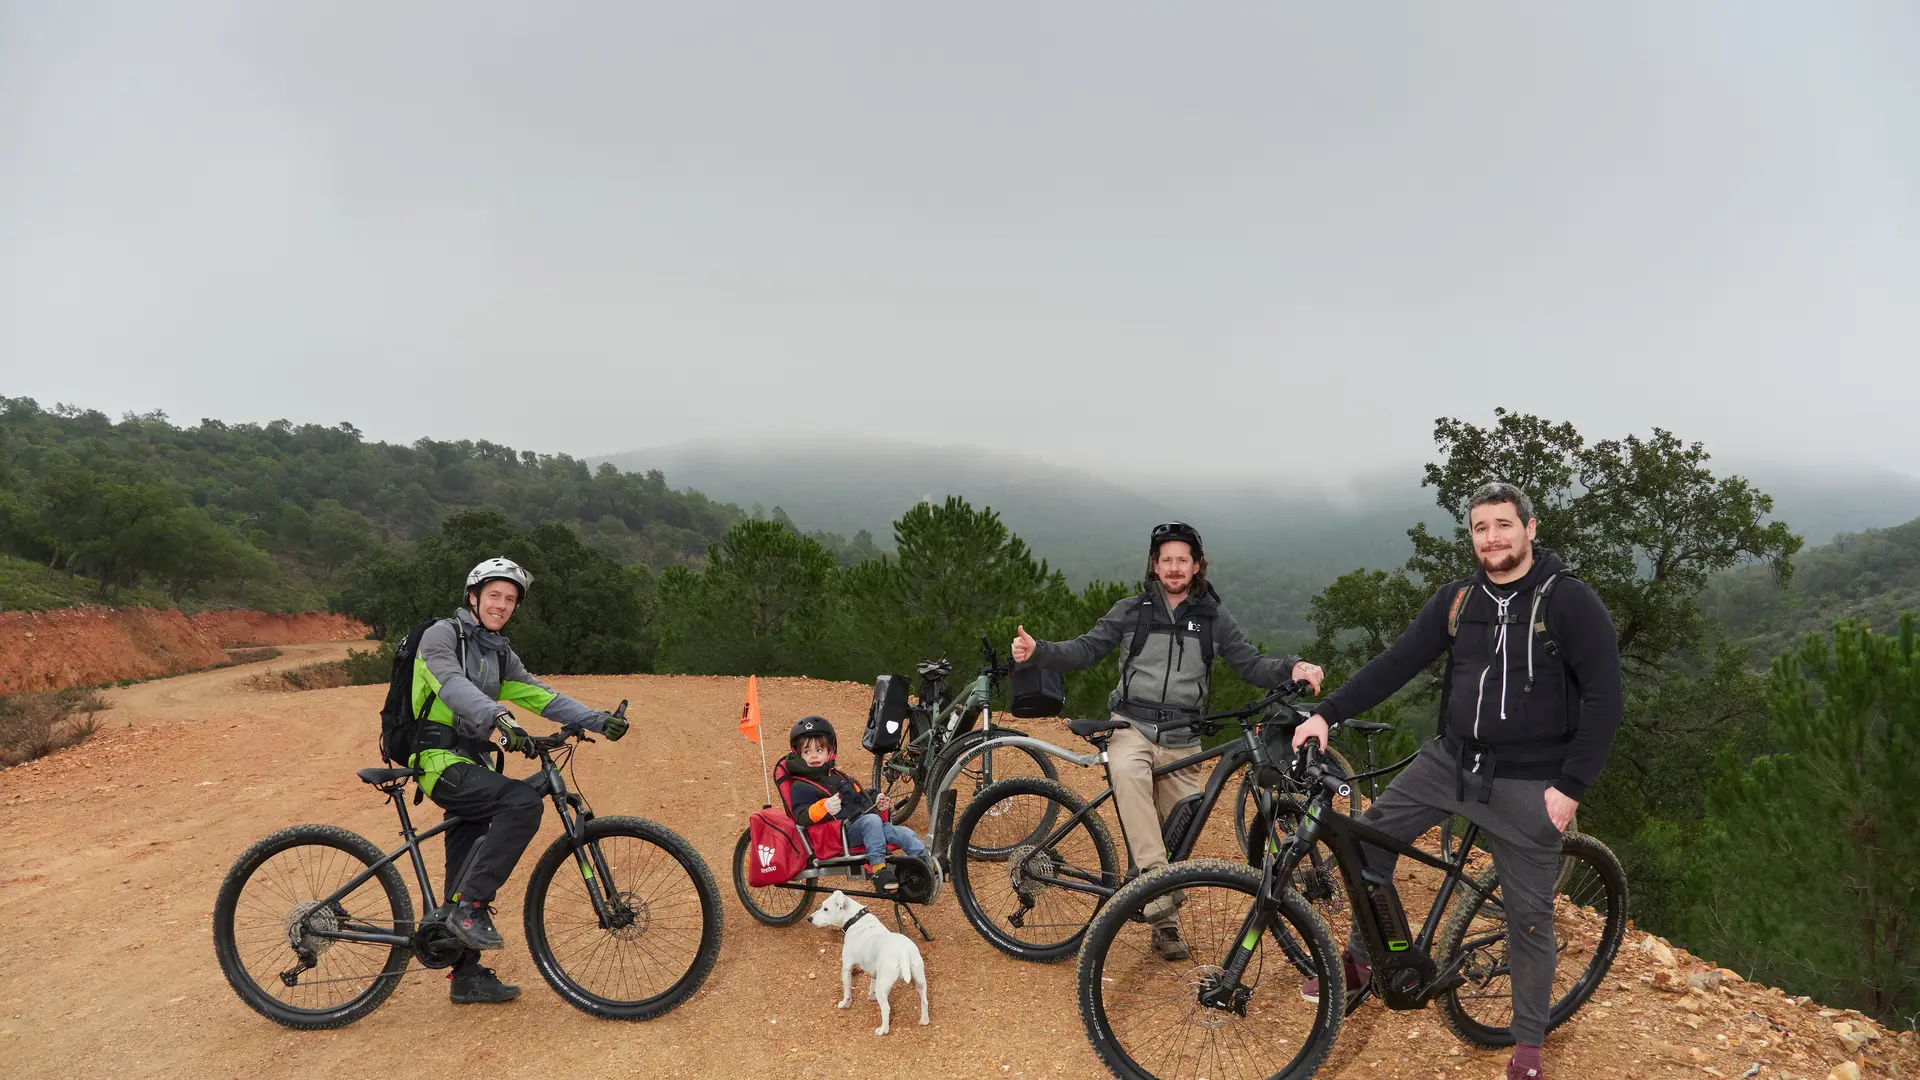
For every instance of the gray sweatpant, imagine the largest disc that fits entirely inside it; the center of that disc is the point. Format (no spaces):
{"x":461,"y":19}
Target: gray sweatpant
{"x":1526,"y":854}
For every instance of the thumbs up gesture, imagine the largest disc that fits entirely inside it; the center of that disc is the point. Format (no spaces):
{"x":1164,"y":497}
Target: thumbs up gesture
{"x":1023,"y":647}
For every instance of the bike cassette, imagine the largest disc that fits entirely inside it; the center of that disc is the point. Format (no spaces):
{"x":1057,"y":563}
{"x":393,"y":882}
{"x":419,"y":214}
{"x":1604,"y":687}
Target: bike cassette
{"x":1026,"y":863}
{"x":306,"y":917}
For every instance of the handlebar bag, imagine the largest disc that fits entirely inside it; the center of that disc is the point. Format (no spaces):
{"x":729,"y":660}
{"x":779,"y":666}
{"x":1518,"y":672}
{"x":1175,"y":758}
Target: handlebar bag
{"x":775,"y":855}
{"x":1037,"y":692}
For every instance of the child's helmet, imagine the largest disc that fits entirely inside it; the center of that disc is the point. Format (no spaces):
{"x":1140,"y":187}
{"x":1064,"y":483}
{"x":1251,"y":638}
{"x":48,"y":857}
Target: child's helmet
{"x":813,"y":725}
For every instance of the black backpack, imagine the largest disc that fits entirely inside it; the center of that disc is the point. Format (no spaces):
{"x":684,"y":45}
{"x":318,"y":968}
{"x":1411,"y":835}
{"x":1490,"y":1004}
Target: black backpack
{"x":399,"y":725}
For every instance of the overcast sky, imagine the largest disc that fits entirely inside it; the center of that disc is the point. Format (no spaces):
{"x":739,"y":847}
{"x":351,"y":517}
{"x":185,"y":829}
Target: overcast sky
{"x":1123,"y":237}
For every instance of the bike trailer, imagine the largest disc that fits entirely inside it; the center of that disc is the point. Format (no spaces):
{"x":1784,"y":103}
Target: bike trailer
{"x":1036,"y":692}
{"x":778,"y":854}
{"x":887,"y":719}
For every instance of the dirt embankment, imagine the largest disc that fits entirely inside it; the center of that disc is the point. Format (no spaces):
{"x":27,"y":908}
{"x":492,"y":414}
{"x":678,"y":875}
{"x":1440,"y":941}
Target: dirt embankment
{"x":238,"y":628}
{"x":53,"y":650}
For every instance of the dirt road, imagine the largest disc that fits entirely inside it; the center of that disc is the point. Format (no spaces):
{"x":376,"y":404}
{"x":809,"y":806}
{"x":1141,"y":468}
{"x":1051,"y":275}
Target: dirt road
{"x":114,"y":851}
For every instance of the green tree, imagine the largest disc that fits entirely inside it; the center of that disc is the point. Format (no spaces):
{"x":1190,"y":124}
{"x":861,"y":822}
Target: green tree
{"x":585,"y":614}
{"x":1817,"y":876}
{"x":338,"y":535}
{"x":758,"y":608}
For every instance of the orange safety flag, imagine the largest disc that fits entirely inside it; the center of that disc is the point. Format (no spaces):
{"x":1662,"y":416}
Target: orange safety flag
{"x":750,"y":712}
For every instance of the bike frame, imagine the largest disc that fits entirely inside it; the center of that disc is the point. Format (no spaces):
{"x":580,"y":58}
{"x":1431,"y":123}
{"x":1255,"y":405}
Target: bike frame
{"x":1344,"y":835}
{"x":1232,"y":756}
{"x":574,"y":815}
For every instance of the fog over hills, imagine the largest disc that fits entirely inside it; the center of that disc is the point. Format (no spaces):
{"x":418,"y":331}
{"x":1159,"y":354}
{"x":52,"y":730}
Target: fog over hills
{"x":1272,"y":545}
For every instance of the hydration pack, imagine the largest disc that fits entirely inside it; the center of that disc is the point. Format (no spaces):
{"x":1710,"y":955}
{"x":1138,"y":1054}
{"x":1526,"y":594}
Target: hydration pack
{"x":399,"y":724}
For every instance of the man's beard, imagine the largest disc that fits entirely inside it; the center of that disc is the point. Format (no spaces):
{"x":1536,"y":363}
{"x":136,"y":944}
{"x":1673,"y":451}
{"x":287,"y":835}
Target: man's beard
{"x":1500,"y":564}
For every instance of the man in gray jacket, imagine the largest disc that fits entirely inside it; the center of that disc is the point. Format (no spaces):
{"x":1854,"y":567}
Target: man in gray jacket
{"x":465,"y":670}
{"x":1168,"y":635}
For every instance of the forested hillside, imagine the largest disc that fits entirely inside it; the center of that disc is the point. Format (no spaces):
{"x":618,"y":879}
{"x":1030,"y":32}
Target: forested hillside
{"x":269,"y":515}
{"x":1869,"y":577}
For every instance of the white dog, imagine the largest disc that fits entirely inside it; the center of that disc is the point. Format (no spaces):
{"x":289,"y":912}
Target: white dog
{"x":885,"y":956}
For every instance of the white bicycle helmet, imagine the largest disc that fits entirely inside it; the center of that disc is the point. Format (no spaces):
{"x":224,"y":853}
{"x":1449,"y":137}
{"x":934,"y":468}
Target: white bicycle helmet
{"x":501,"y":569}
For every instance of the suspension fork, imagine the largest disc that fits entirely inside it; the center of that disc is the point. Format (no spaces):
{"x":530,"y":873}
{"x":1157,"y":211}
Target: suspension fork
{"x":595,"y":874}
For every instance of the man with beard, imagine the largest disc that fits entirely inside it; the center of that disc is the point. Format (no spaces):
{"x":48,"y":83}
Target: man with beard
{"x":1168,"y":636}
{"x":1531,"y":704}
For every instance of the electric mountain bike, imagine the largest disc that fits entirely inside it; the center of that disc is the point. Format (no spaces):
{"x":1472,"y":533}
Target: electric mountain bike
{"x":943,"y":727}
{"x":1040,"y":860}
{"x":314,"y":926}
{"x":1238,"y":1007}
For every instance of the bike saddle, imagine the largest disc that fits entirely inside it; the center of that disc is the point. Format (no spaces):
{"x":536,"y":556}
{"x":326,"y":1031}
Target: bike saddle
{"x":377,"y":777}
{"x":1365,"y":727}
{"x":1088,"y":729}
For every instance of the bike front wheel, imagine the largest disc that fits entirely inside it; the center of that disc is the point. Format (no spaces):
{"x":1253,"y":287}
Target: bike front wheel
{"x":1589,"y":922}
{"x":274,"y":908}
{"x":659,"y":937}
{"x":1149,"y":1018}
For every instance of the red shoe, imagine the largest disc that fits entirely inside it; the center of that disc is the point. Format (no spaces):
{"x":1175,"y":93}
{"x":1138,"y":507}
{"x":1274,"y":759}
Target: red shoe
{"x":1358,"y":975}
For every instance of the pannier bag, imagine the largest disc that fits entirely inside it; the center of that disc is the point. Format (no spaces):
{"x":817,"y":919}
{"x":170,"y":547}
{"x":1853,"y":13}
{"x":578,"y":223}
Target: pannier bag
{"x":887,"y":719}
{"x":1037,"y":692}
{"x":775,"y":855}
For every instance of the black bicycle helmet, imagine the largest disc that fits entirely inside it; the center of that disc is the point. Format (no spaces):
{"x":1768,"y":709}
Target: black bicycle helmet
{"x":1174,"y":530}
{"x":813,"y":725}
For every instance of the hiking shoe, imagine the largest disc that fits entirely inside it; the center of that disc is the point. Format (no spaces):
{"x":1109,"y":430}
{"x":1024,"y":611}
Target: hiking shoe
{"x":1358,"y":975}
{"x":885,"y":881}
{"x":1167,"y":944}
{"x":473,"y":924}
{"x":481,"y":986}
{"x":1525,"y":1063}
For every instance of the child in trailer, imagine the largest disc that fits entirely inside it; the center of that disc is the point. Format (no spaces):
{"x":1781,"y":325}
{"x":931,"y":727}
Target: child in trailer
{"x":819,"y":793}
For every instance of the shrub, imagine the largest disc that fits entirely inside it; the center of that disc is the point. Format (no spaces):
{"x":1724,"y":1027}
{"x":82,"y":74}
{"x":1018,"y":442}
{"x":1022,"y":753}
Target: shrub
{"x":35,"y":725}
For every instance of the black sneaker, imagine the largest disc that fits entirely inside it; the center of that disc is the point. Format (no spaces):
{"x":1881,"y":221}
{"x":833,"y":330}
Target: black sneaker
{"x":886,"y":881}
{"x":1167,"y":944}
{"x":473,"y":924}
{"x":480,"y":987}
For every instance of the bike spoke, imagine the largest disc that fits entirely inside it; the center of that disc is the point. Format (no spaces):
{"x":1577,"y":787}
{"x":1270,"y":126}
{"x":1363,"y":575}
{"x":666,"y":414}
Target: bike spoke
{"x":1154,"y":1009}
{"x":630,"y":963}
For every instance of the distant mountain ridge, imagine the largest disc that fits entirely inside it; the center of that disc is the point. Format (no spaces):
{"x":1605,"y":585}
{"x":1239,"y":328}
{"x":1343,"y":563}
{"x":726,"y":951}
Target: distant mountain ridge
{"x":1271,"y":548}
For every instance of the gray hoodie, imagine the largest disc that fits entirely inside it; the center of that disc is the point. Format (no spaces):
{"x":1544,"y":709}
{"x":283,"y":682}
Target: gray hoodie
{"x":1170,"y":674}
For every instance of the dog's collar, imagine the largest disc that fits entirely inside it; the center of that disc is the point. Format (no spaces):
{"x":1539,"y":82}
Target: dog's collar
{"x":863,"y":913}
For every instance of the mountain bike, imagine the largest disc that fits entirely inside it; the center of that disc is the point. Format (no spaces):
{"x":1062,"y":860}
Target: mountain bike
{"x":1237,"y":1008}
{"x":943,"y":727}
{"x":314,"y":927}
{"x":1040,"y":861}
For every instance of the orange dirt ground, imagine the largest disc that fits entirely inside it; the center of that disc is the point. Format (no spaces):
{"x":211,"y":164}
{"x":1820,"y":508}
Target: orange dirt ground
{"x":114,"y":851}
{"x":52,"y":650}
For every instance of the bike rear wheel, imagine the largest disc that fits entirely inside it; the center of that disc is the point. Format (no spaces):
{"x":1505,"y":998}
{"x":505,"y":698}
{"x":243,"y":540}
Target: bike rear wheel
{"x":1143,"y":1014}
{"x":1589,"y":922}
{"x":772,"y":905}
{"x":666,"y":919}
{"x":992,"y":766}
{"x":269,"y":906}
{"x":1006,"y":896}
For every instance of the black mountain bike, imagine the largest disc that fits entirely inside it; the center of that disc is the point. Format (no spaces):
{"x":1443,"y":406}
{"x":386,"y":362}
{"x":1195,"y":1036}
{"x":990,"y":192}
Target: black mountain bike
{"x":314,"y":926}
{"x":1237,"y":1009}
{"x":1039,"y":859}
{"x":943,"y":726}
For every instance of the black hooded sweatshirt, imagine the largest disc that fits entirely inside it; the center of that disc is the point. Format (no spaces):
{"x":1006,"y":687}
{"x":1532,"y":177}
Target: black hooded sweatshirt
{"x":1545,"y":717}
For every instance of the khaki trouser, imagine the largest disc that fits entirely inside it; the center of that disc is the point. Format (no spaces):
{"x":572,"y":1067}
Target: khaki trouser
{"x":1144,"y":802}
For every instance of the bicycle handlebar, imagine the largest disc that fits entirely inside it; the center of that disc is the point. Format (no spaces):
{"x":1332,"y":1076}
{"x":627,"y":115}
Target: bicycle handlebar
{"x":547,"y":743}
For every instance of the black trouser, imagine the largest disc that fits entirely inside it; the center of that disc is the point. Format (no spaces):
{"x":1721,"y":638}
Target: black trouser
{"x":503,"y":810}
{"x":1526,"y":855}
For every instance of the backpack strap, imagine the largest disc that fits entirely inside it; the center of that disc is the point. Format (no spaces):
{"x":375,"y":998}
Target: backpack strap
{"x":1453,"y":613}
